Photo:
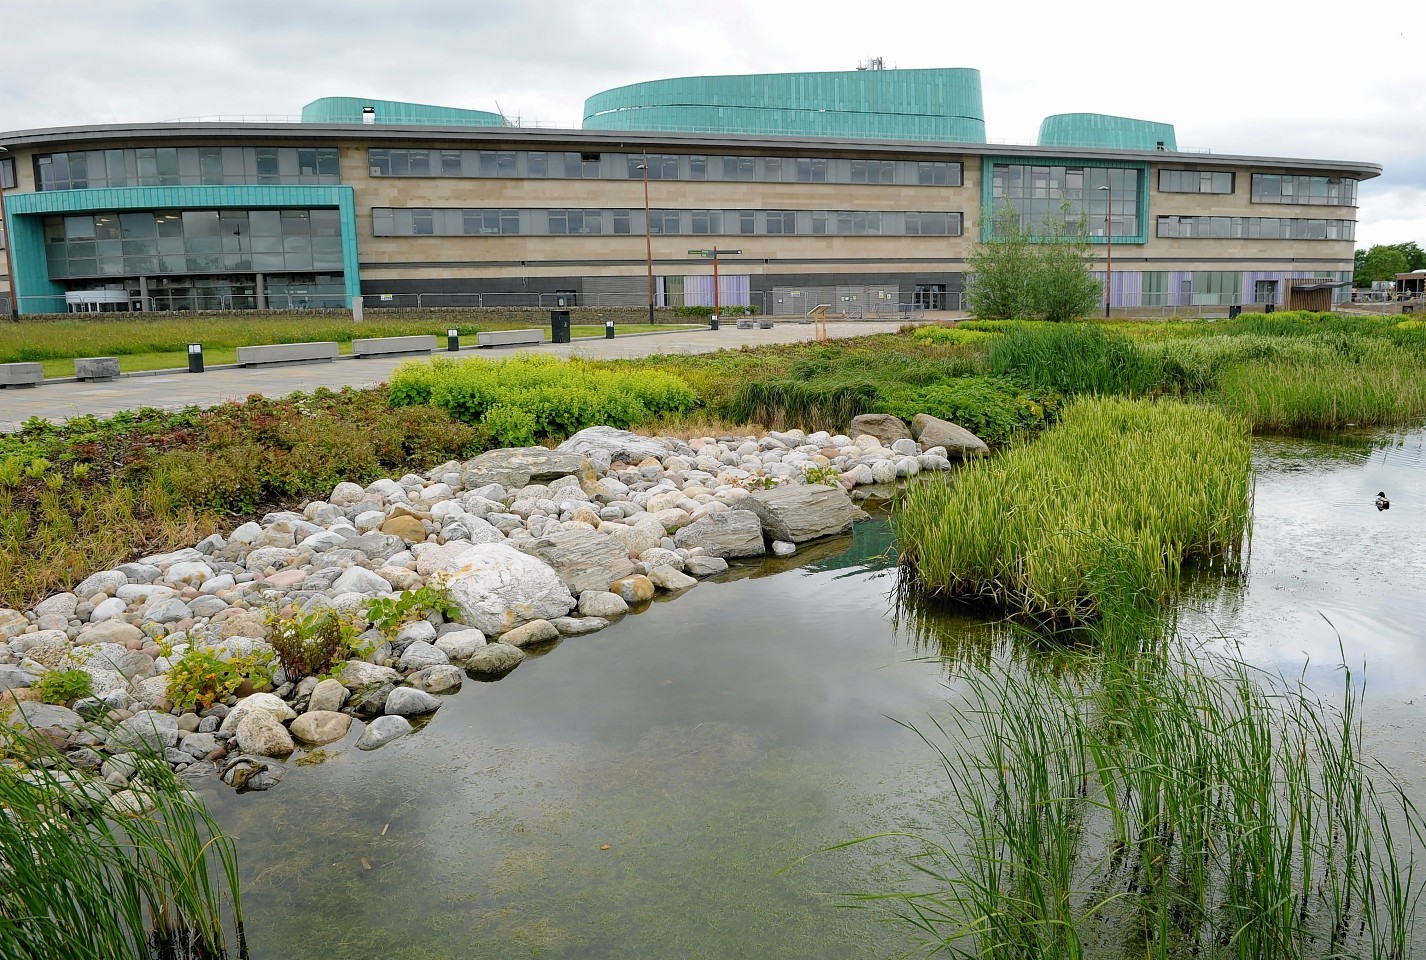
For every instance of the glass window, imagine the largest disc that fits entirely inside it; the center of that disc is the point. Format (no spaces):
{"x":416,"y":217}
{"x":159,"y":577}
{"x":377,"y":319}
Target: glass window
{"x":621,"y":221}
{"x":697,"y":168}
{"x":811,"y":170}
{"x":535,"y":164}
{"x":7,"y":173}
{"x":737,"y":168}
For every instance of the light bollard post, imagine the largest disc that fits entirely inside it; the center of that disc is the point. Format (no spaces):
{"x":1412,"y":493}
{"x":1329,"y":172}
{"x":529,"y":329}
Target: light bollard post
{"x":195,"y":358}
{"x":608,"y":329}
{"x":452,"y":340}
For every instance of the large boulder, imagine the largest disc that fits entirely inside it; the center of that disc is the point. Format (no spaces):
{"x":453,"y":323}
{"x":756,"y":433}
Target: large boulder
{"x":883,"y":426}
{"x":798,"y":512}
{"x":497,"y":588}
{"x":517,"y":467}
{"x":729,"y":533}
{"x":382,"y":731}
{"x":584,"y":560}
{"x":929,"y":431}
{"x":618,"y":444}
{"x":261,"y":734}
{"x":321,"y":726}
{"x":147,"y":730}
{"x":493,"y":661}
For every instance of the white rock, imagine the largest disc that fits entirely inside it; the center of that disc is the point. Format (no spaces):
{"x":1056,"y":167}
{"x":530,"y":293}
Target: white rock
{"x":497,"y":587}
{"x":361,"y":580}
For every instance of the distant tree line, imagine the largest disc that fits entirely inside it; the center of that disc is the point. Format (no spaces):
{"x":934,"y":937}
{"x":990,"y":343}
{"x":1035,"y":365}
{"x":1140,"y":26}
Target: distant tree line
{"x":1385,"y":261}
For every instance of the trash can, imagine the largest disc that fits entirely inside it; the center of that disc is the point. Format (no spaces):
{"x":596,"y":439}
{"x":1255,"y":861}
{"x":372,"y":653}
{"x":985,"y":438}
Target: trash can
{"x":1269,"y":307}
{"x":559,"y":326}
{"x":1408,"y":308}
{"x":1233,"y":312}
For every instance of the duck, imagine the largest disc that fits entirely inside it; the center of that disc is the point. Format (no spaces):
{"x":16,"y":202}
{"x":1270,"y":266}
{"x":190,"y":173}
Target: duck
{"x":1382,"y":503}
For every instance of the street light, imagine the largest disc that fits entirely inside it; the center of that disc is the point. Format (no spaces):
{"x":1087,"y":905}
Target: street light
{"x":648,"y":236}
{"x":1108,"y":244}
{"x":9,"y":260}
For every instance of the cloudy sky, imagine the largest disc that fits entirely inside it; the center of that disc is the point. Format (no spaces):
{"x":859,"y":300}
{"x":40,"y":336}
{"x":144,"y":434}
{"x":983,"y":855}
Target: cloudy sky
{"x":1308,"y":79}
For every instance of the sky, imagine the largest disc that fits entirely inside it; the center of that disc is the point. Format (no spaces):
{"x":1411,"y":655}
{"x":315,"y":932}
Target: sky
{"x":1309,"y":79}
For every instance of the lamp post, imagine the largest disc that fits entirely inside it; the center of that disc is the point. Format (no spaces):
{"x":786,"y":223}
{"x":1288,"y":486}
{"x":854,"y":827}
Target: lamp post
{"x":1108,"y":244}
{"x":9,"y":259}
{"x":648,"y":236}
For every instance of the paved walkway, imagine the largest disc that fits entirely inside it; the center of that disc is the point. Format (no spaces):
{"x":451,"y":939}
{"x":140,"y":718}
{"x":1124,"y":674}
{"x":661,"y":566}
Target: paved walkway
{"x":175,"y":389}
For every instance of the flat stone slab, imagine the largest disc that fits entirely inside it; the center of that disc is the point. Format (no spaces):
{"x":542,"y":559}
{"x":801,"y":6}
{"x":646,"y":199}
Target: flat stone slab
{"x":380,"y":346}
{"x":21,"y":374}
{"x":96,"y":368}
{"x":506,"y":338}
{"x":317,"y":351}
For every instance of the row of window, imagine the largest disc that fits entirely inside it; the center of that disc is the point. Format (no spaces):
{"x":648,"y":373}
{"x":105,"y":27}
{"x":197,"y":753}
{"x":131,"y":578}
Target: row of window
{"x":1256,"y":228}
{"x":1050,"y":198}
{"x":456,"y":222}
{"x":192,"y":241}
{"x":1195,"y":181}
{"x":569,"y":165}
{"x":186,"y":166}
{"x":1290,"y":188}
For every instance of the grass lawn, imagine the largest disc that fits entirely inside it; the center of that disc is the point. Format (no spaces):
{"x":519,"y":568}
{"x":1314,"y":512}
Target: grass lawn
{"x":82,"y":343}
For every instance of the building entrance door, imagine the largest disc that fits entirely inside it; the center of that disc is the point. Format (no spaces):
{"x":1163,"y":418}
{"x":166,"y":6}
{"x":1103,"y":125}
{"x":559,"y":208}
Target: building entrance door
{"x":930,"y":296}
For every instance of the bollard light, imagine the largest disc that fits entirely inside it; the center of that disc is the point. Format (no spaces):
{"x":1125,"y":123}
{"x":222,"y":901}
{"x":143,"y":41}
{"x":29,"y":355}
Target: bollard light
{"x":452,"y":340}
{"x":713,"y":322}
{"x":195,"y":358}
{"x":608,"y":329}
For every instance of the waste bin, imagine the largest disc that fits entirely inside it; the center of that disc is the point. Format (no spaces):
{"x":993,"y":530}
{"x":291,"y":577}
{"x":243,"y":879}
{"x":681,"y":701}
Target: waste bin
{"x":1233,"y":312}
{"x":1269,"y":307}
{"x":559,"y":326}
{"x":1408,"y":308}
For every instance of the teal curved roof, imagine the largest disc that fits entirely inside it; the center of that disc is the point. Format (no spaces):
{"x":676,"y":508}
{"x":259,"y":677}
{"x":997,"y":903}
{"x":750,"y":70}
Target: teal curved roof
{"x":942,"y":104}
{"x":1102,"y":130}
{"x":349,"y":110}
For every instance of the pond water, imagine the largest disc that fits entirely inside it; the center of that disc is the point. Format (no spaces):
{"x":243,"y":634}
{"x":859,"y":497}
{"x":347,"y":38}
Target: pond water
{"x":650,"y":790}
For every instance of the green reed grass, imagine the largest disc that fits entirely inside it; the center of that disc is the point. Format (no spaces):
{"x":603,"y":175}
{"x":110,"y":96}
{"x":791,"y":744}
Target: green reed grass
{"x":78,"y":882}
{"x":1171,"y":805}
{"x":1107,"y":504}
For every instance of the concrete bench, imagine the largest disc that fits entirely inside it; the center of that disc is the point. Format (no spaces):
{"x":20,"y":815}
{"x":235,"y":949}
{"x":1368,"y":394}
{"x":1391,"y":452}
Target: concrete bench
{"x":379,"y":346}
{"x":20,"y":374}
{"x":507,"y":338}
{"x":96,"y":368}
{"x":318,"y":351}
{"x":746,"y":323}
{"x":765,"y":323}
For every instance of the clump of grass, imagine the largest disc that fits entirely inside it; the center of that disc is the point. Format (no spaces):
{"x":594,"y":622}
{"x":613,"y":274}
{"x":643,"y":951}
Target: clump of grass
{"x":1162,"y":806}
{"x":1104,"y":507}
{"x":1074,"y":358}
{"x":78,"y":882}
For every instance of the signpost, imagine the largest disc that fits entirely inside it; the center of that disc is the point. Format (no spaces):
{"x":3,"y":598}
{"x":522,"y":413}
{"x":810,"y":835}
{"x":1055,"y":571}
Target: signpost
{"x":714,"y":253}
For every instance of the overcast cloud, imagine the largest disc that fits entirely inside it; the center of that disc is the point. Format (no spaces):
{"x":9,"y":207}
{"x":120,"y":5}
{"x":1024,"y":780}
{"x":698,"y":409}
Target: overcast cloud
{"x":1309,"y":79}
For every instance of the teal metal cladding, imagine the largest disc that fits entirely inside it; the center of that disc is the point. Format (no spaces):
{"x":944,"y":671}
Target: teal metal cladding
{"x":349,"y":110}
{"x":25,"y":212}
{"x":1102,"y":130}
{"x":939,"y":105}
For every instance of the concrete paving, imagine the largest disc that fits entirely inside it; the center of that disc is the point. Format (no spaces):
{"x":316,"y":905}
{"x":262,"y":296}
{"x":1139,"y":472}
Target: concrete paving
{"x":60,"y":400}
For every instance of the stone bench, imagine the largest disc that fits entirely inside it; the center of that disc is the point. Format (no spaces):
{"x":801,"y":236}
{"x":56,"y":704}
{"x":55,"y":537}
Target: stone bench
{"x":380,"y":346}
{"x":506,"y":338}
{"x":21,"y":374}
{"x":317,"y":351}
{"x":765,"y":323}
{"x":746,"y":323}
{"x":96,"y":368}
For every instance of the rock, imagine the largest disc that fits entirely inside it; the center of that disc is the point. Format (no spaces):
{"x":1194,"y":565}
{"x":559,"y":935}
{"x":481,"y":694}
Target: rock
{"x":730,"y":533}
{"x":245,"y":772}
{"x":382,"y":731}
{"x":405,"y":526}
{"x":634,"y":589}
{"x":198,"y":745}
{"x":60,"y":605}
{"x":346,"y":494}
{"x":420,"y":655}
{"x":147,"y":730}
{"x":12,"y":677}
{"x":28,"y":713}
{"x":883,"y":471}
{"x":529,"y":634}
{"x":659,"y":557}
{"x":132,"y":803}
{"x":108,"y":610}
{"x":518,"y":467}
{"x":781,"y":548}
{"x":497,"y":587}
{"x":602,"y":603}
{"x":188,"y":571}
{"x":321,"y":726}
{"x":370,"y":701}
{"x":410,"y":702}
{"x":704,"y":566}
{"x":441,"y":679}
{"x":493,"y":661}
{"x":102,"y":582}
{"x":959,"y":442}
{"x":327,"y":696}
{"x":798,"y":512}
{"x":583,"y":559}
{"x":667,"y":578}
{"x":883,"y":426}
{"x":458,"y":645}
{"x":260,"y":733}
{"x":357,"y":674}
{"x":360,"y":580}
{"x":167,"y":610}
{"x":616,"y":444}
{"x":577,"y":626}
{"x":270,"y":704}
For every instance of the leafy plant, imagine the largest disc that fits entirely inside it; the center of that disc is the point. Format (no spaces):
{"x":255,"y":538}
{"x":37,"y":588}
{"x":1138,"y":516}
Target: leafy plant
{"x":201,"y":677}
{"x":828,"y":476}
{"x":63,"y":686}
{"x":312,"y":644}
{"x":389,"y":614}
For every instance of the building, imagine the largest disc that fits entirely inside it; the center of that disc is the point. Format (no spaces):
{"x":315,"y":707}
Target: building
{"x":861,"y":189}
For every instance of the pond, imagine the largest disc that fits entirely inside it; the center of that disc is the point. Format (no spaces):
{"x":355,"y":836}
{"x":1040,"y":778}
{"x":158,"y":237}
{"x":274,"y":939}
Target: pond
{"x":651,"y":790}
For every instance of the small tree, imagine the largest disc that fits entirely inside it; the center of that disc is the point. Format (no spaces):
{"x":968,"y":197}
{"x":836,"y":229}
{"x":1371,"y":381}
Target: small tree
{"x":1001,"y":269}
{"x":1064,"y":289}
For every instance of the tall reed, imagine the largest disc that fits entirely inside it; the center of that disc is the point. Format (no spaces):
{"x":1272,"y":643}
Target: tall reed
{"x":1106,"y":506}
